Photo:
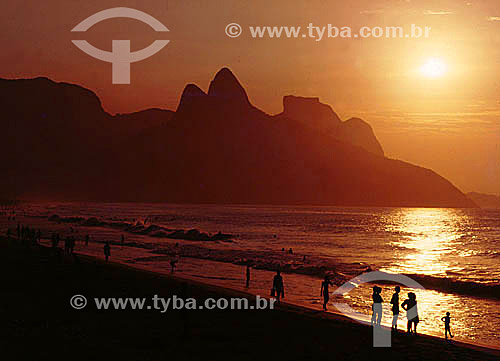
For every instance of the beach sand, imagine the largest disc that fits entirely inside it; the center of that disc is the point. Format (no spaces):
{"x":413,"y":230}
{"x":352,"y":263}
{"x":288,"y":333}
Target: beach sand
{"x":39,"y":323}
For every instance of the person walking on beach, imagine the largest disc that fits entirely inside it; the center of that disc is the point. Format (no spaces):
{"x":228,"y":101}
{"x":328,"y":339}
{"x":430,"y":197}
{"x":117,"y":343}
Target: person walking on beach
{"x":87,"y":238}
{"x":173,"y":263}
{"x":278,"y":289}
{"x":395,"y":308}
{"x":66,"y":245}
{"x":248,"y":276}
{"x":446,"y":320}
{"x":122,"y":240}
{"x":72,"y":245}
{"x":377,"y":306}
{"x":410,"y":306}
{"x":324,"y":291}
{"x":107,"y":251}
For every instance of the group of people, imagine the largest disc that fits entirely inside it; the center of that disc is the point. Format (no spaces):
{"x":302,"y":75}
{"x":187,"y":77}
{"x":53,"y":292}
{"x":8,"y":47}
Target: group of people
{"x":26,"y":234}
{"x":409,"y":305}
{"x":30,"y":235}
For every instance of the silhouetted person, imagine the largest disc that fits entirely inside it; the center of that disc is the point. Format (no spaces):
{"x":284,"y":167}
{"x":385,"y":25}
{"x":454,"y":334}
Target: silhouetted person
{"x":18,"y":230}
{"x":122,"y":240}
{"x":377,"y":306}
{"x":173,"y":263}
{"x":278,"y":289}
{"x":66,"y":245}
{"x":325,"y":292}
{"x":38,"y":236}
{"x":8,"y":234}
{"x":107,"y":251}
{"x":410,"y":306}
{"x":395,"y":308}
{"x":304,"y":259}
{"x":72,"y":244}
{"x":446,"y":320}
{"x":248,"y":276}
{"x":87,"y":238}
{"x":53,"y":240}
{"x":290,"y":251}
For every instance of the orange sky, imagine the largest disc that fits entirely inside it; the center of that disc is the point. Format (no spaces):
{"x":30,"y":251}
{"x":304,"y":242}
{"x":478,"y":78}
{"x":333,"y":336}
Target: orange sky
{"x":450,"y":124}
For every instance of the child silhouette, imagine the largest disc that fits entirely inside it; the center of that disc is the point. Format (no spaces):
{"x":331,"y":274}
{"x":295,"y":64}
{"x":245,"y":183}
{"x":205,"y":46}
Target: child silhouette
{"x":446,"y":320}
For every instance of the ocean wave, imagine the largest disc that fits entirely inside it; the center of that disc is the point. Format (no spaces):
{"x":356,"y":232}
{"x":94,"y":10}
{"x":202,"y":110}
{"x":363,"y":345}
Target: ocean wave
{"x":450,"y":285}
{"x":143,"y":229}
{"x":310,"y":265}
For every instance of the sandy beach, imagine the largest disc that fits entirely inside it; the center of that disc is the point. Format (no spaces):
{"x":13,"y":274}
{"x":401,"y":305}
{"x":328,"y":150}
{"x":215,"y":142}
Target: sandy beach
{"x":38,"y":320}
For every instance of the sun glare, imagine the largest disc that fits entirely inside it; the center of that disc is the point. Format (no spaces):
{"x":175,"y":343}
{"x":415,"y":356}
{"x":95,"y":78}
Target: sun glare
{"x":433,"y":68}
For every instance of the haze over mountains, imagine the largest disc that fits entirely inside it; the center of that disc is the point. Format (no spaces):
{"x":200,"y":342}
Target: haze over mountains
{"x":216,"y":147}
{"x":485,"y":200}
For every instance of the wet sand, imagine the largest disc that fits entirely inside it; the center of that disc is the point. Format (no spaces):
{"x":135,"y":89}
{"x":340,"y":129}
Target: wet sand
{"x":38,"y":321}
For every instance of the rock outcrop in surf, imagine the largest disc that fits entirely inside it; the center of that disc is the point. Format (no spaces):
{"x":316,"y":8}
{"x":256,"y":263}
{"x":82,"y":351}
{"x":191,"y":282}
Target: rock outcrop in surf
{"x":151,"y":230}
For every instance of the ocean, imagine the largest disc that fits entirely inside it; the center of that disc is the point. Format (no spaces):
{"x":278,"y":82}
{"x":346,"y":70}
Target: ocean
{"x":453,"y":253}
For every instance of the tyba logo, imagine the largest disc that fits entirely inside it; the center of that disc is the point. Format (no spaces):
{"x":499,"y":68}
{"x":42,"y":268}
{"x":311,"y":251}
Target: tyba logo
{"x":381,"y":335}
{"x":120,"y":57}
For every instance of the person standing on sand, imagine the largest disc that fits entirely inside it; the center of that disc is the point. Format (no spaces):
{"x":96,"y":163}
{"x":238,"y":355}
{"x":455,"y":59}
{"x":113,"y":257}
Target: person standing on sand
{"x":72,"y":244}
{"x":324,"y":291}
{"x":410,"y":306}
{"x":395,"y":308}
{"x":446,"y":320}
{"x":377,"y":306}
{"x":122,"y":240}
{"x":248,"y":276}
{"x":278,"y":289}
{"x":66,"y":245}
{"x":87,"y":238}
{"x":107,"y":251}
{"x":173,"y":263}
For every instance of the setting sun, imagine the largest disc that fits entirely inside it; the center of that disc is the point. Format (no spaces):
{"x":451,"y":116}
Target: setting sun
{"x":433,"y":68}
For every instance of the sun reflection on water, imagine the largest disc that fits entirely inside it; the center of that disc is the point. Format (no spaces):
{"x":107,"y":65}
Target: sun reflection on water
{"x":428,"y":240}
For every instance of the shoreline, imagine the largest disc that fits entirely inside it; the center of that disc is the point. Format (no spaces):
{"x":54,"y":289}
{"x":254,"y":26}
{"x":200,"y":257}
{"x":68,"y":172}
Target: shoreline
{"x":438,"y":283}
{"x":332,"y":315}
{"x":300,"y":314}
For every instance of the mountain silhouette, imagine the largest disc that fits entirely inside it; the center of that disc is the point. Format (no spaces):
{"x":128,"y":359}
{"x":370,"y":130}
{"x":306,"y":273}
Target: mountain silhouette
{"x":485,"y":200}
{"x":216,"y":147}
{"x":322,"y":117}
